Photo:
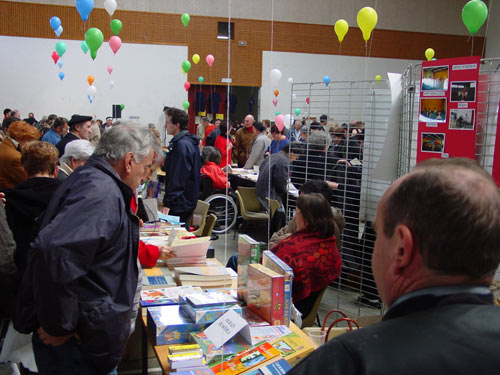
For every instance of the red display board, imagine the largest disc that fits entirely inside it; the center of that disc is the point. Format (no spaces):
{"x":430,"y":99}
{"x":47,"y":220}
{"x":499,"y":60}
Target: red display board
{"x":448,"y":108}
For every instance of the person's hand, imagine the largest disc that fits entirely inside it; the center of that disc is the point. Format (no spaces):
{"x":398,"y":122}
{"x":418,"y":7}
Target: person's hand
{"x":52,"y":340}
{"x":165,"y":210}
{"x":2,"y":198}
{"x":141,"y":223}
{"x":332,"y":185}
{"x":166,"y":253}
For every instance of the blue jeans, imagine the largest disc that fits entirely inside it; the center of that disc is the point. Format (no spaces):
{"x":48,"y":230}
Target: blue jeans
{"x":66,"y":359}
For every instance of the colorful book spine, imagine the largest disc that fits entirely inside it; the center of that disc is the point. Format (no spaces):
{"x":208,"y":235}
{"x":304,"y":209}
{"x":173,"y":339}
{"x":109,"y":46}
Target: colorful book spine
{"x":246,"y":360}
{"x":266,"y":293}
{"x":273,"y":262}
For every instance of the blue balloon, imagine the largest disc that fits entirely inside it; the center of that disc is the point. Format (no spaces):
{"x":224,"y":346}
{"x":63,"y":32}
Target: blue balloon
{"x":327,"y":80}
{"x":84,"y":7}
{"x":59,"y":31}
{"x":60,"y":63}
{"x":55,"y":22}
{"x":61,"y":76}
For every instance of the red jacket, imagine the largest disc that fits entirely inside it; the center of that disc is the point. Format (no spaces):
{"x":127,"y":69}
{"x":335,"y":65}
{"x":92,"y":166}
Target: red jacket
{"x":224,"y":146}
{"x":216,"y":174}
{"x":315,"y":261}
{"x":148,"y":254}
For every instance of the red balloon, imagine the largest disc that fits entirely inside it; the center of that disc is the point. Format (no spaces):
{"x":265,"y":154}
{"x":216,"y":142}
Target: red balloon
{"x":307,"y":100}
{"x":187,"y":85}
{"x":55,"y":57}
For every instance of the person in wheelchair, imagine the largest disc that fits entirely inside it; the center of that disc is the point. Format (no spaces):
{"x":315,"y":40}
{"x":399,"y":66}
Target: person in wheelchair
{"x":211,"y":158}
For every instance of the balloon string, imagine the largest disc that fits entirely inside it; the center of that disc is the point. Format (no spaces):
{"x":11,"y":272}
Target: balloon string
{"x":340,"y":49}
{"x":472,"y":48}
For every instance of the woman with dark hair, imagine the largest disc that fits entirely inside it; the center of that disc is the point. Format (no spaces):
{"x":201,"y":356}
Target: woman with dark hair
{"x":311,"y":251}
{"x":279,"y":140}
{"x":224,"y":145}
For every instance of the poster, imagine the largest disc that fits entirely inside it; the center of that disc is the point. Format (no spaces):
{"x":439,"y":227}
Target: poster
{"x":448,"y":108}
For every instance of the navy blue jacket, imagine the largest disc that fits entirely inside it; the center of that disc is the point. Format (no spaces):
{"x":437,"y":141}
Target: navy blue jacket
{"x":82,"y":267}
{"x":182,"y":168}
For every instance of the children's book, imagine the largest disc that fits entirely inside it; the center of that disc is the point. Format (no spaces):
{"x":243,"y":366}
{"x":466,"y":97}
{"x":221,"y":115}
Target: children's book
{"x":278,"y":367}
{"x":166,"y":296}
{"x":293,"y":347}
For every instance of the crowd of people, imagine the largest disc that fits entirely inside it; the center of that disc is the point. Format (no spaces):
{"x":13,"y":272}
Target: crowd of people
{"x":71,"y":212}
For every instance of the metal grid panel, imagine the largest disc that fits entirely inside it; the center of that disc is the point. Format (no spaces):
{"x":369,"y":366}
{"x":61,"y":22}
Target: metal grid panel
{"x":358,"y":193}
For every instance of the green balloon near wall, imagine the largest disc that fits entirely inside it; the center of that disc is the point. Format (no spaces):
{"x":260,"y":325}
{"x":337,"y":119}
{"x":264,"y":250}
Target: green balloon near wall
{"x":116,"y":26}
{"x":185,"y":105}
{"x":474,"y":15}
{"x":122,"y":106}
{"x":94,"y":39}
{"x":185,"y":19}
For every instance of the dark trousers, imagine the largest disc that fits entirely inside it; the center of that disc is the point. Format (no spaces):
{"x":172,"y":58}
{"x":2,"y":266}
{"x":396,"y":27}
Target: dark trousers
{"x":66,"y":359}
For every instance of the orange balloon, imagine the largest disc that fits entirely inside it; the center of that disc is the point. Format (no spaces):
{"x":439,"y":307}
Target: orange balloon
{"x":276,"y":92}
{"x":90,"y":80}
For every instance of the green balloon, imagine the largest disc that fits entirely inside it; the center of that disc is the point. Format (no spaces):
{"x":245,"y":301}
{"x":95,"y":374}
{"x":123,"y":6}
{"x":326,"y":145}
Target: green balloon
{"x":278,"y":113}
{"x":474,"y":15}
{"x":186,"y":65}
{"x":60,"y":48}
{"x":84,"y":46}
{"x":297,"y":111}
{"x":122,"y":106}
{"x":116,"y":26}
{"x":201,"y":79}
{"x":185,"y":19}
{"x":185,"y":105}
{"x":94,"y":38}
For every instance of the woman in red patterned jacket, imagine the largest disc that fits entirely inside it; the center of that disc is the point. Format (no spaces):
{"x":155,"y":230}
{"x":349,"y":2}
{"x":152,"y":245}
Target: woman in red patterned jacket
{"x":311,"y":251}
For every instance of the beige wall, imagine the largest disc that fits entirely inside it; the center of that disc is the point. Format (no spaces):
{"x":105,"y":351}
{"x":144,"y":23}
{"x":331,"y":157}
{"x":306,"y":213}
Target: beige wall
{"x":429,"y":16}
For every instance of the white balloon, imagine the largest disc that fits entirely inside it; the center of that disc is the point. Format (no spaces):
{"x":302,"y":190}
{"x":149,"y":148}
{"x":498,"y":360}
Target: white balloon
{"x":275,"y":76}
{"x":290,"y":80}
{"x":111,"y":84}
{"x":59,"y":31}
{"x":294,"y":96}
{"x":288,"y":120}
{"x":110,"y":6}
{"x":91,"y":90}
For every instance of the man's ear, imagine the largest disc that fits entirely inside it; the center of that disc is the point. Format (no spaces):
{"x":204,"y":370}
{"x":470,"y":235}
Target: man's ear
{"x":404,"y":248}
{"x":127,"y":162}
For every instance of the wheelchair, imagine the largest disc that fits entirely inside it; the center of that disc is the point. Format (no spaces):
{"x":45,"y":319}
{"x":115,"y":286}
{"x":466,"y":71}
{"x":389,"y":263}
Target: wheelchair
{"x":222,"y":205}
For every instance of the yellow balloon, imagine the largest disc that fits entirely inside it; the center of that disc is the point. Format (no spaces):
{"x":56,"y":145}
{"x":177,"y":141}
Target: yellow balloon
{"x":196,"y":58}
{"x":341,"y":28}
{"x":367,"y":20}
{"x":378,"y":78}
{"x":429,"y":54}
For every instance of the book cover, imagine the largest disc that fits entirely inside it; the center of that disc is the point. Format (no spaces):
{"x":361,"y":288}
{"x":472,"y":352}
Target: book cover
{"x":246,"y":360}
{"x":266,"y":293}
{"x":204,"y":370}
{"x":273,"y":262}
{"x":248,"y":253}
{"x":212,"y":354}
{"x":279,"y":367}
{"x":157,"y":277}
{"x":208,"y":314}
{"x":210,"y":299}
{"x":169,"y":325}
{"x":293,"y":347}
{"x":166,"y":296}
{"x":255,"y":335}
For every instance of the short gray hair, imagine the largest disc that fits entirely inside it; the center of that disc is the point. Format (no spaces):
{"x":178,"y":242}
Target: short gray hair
{"x":318,"y":140}
{"x":79,"y":149}
{"x":120,"y":140}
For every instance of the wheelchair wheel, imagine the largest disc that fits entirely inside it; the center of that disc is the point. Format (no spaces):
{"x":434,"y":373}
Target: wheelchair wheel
{"x":224,"y":207}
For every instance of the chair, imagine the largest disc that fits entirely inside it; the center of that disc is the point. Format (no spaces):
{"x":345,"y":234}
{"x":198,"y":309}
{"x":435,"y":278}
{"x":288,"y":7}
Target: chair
{"x":308,"y":321}
{"x":199,"y":217}
{"x":273,"y":206}
{"x":209,"y":226}
{"x":250,"y":207}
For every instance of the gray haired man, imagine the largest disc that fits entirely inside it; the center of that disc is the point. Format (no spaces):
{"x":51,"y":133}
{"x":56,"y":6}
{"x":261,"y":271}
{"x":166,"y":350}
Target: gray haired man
{"x":77,"y":296}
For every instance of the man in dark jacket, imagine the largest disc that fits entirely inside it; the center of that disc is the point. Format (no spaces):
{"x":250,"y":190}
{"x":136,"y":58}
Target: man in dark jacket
{"x":437,"y":249}
{"x":78,"y":290}
{"x":79,"y":128}
{"x":182,"y":167}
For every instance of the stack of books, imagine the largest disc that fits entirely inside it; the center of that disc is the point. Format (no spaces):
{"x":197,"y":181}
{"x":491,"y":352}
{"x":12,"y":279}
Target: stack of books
{"x":248,"y":253}
{"x":266,"y":290}
{"x":205,"y":308}
{"x":186,"y":358}
{"x":212,"y":354}
{"x":188,"y":249}
{"x":206,"y":277}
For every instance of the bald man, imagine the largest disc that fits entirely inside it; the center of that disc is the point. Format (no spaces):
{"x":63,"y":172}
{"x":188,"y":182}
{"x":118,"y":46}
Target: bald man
{"x":243,"y":141}
{"x":437,"y":250}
